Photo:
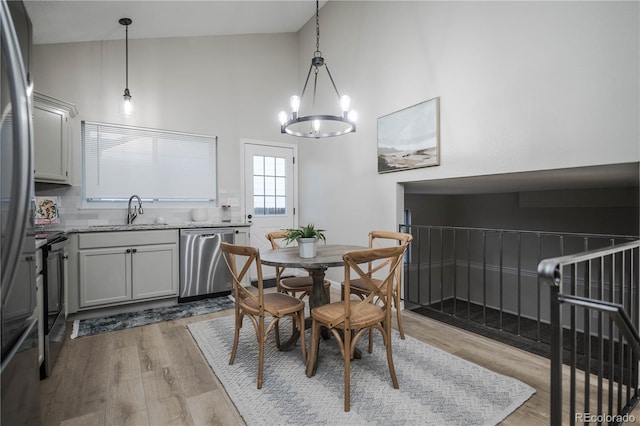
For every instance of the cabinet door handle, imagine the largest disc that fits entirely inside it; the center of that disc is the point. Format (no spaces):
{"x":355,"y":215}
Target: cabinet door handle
{"x":135,"y":250}
{"x":128,"y":250}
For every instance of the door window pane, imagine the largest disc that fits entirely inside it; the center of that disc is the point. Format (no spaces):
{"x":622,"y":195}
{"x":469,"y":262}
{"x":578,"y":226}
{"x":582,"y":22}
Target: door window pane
{"x":269,"y":185}
{"x":258,"y":185}
{"x":258,"y":165}
{"x":280,"y":167}
{"x":280,"y":186}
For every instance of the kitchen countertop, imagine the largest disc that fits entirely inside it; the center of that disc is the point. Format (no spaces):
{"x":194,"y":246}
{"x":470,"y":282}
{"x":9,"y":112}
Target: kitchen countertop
{"x":150,"y":226}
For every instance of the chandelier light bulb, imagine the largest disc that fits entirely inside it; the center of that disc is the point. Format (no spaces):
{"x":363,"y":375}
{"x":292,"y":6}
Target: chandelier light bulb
{"x":345,"y":101}
{"x":295,"y":103}
{"x":316,"y":126}
{"x":353,"y":116}
{"x":283,"y":117}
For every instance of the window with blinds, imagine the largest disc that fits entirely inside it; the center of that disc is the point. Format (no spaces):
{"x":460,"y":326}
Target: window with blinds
{"x":157,"y":165}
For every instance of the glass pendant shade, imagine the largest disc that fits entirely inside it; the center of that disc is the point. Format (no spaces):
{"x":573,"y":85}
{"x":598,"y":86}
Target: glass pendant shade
{"x":126,"y":104}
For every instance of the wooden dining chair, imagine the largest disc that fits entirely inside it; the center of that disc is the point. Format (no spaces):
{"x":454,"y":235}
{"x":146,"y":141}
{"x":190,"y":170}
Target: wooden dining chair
{"x":291,"y":285}
{"x":360,"y":287}
{"x":259,"y":307}
{"x":350,"y":318}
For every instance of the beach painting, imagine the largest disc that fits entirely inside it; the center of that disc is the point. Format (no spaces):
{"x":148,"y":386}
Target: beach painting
{"x":410,"y":138}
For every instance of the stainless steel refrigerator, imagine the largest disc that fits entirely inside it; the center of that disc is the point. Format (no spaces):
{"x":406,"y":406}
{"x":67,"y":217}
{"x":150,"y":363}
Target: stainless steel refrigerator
{"x":19,"y":369}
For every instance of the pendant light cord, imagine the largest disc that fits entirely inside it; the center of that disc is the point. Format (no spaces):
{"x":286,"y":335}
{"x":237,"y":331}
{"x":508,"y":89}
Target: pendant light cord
{"x":126,"y":57}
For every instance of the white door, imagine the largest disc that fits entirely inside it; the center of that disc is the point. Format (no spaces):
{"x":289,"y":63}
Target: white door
{"x":270,"y":190}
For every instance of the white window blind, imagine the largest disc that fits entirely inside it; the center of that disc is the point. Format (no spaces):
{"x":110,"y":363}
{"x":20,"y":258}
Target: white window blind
{"x":155,"y":164}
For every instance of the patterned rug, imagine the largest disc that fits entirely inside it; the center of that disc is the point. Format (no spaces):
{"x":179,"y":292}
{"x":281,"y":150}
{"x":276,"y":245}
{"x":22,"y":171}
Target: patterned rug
{"x":125,"y":320}
{"x":436,"y":388}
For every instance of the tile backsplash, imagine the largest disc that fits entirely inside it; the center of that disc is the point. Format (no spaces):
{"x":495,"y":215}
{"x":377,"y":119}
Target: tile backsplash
{"x":72,"y":213}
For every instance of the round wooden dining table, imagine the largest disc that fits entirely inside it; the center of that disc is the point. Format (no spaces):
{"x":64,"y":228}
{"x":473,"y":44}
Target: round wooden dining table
{"x":327,"y":256}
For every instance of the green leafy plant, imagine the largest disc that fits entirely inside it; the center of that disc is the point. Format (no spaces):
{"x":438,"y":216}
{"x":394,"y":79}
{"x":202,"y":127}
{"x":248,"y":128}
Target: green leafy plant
{"x":308,"y":231}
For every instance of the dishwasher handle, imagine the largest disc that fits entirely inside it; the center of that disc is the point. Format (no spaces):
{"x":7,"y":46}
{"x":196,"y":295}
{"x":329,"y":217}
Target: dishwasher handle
{"x":207,"y":232}
{"x":208,"y":236}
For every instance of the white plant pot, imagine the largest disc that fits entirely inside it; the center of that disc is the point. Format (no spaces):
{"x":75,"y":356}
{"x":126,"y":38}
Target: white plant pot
{"x":308,"y":247}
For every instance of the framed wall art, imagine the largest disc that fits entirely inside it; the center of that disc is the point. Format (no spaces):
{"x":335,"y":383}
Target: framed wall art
{"x":410,"y":138}
{"x":47,"y":210}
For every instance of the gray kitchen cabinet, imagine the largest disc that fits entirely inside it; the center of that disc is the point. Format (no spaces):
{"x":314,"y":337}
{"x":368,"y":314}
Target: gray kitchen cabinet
{"x":124,"y":267}
{"x":152,"y":271}
{"x":105,"y":276}
{"x":52,"y":138}
{"x":242,"y":236}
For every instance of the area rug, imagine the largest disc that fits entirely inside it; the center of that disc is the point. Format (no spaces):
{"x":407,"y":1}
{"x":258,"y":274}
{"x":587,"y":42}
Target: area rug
{"x":125,"y":320}
{"x":436,"y":388}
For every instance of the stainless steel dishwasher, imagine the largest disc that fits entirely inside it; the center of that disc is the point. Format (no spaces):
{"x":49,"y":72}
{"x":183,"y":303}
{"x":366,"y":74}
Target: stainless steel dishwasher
{"x":203,"y":271}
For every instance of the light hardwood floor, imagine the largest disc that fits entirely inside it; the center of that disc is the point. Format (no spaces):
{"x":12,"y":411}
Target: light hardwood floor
{"x":155,"y":375}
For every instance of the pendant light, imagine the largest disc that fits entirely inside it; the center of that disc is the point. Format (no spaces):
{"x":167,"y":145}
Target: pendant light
{"x":318,"y":125}
{"x":127,"y":103}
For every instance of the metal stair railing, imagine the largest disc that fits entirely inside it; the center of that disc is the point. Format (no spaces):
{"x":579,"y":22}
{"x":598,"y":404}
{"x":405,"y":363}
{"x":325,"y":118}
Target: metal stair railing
{"x":486,"y":279}
{"x":613,"y":345}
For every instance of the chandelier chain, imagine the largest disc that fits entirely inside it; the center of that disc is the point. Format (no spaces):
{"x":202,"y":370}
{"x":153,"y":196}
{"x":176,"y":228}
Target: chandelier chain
{"x":317,"y":28}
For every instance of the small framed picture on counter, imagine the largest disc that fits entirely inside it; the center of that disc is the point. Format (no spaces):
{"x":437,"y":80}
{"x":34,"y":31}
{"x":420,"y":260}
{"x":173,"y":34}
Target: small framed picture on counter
{"x":47,"y":210}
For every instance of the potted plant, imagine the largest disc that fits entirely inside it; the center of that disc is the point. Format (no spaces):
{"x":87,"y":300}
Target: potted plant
{"x":307,"y":238}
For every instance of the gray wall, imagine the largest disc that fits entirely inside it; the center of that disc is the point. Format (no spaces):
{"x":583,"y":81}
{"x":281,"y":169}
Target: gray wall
{"x":599,"y":211}
{"x":231,"y":87}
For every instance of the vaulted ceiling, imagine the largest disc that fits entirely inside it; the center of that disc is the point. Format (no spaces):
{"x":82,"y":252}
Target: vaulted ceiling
{"x":57,"y":21}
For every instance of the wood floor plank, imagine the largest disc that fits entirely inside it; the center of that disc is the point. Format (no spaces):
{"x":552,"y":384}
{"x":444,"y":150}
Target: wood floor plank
{"x":126,"y":404}
{"x":172,"y":411}
{"x":156,"y":374}
{"x":190,"y":367}
{"x":212,"y":408}
{"x":123,"y":364}
{"x":93,"y":419}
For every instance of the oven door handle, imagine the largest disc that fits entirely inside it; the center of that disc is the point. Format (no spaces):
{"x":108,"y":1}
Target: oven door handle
{"x":58,"y":245}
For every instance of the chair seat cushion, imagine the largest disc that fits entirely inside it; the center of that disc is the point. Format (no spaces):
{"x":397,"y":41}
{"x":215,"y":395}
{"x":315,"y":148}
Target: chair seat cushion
{"x":299,"y":283}
{"x":362,"y":314}
{"x":276,"y":303}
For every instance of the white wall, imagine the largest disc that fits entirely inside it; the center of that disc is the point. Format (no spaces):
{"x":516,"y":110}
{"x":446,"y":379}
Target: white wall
{"x":523,"y":86}
{"x":231,"y":87}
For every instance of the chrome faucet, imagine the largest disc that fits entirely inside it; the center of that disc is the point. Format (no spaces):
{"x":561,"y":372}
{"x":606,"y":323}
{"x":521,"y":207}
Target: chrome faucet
{"x":132,"y":214}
